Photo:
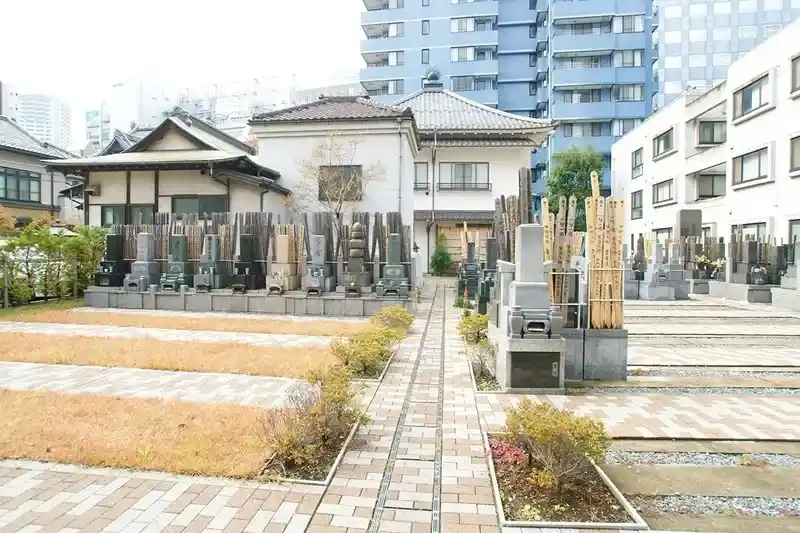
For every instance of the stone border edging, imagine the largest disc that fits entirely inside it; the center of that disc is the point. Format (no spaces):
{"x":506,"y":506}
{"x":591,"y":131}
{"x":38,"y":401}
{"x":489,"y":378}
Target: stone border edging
{"x":638,"y":523}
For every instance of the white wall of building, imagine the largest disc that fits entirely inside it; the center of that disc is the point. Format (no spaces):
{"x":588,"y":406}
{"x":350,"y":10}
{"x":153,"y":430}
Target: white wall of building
{"x":9,"y":101}
{"x":770,"y":201}
{"x":388,"y":147}
{"x":47,"y":118}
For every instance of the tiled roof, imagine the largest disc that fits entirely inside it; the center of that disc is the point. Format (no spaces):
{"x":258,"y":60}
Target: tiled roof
{"x":334,"y":108}
{"x":14,"y":137}
{"x":120,"y":142}
{"x":438,"y":109}
{"x":504,"y":142}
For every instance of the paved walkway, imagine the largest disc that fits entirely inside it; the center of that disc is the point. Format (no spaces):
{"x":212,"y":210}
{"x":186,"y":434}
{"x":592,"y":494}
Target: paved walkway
{"x":257,"y":339}
{"x":218,"y":315}
{"x":418,"y":466}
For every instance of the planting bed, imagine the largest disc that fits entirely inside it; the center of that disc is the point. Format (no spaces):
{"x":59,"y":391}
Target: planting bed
{"x":590,"y":501}
{"x":484,"y":381}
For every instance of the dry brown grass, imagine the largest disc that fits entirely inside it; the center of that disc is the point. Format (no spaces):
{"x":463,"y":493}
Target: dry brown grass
{"x":131,"y":433}
{"x":234,"y":358}
{"x":321,"y":327}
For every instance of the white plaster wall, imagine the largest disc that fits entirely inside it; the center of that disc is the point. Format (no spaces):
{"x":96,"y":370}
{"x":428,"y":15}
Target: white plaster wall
{"x":143,"y":186}
{"x":504,"y":165}
{"x":172,"y":140}
{"x":188,"y":183}
{"x":284,"y":148}
{"x":245,"y":198}
{"x":113,"y":188}
{"x":773,"y":200}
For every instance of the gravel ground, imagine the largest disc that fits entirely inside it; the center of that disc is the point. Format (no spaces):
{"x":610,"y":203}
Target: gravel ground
{"x":698,"y":458}
{"x":686,"y":390}
{"x":707,"y":371}
{"x":721,"y":505}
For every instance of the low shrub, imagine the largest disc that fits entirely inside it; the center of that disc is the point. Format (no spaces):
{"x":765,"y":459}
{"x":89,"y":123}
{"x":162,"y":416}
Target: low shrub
{"x":556,"y":443}
{"x":463,"y":303}
{"x":395,"y":317}
{"x":303,"y":438}
{"x":473,"y":327}
{"x":440,"y":259}
{"x":365,"y":353}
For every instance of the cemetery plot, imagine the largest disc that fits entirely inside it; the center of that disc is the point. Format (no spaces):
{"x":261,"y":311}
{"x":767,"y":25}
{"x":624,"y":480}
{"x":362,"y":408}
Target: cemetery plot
{"x":322,"y":327}
{"x":232,"y":358}
{"x":131,"y":433}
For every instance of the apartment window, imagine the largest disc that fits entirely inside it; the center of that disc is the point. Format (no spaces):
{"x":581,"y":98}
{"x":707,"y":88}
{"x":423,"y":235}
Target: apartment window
{"x":662,"y":192}
{"x":582,"y":129}
{"x":532,"y":5}
{"x":140,"y":214}
{"x":20,"y":185}
{"x":426,"y":3}
{"x":339,"y":182}
{"x":585,"y":28}
{"x":462,"y":25}
{"x":662,"y":235}
{"x":629,"y":24}
{"x":752,"y":231}
{"x":420,"y":176}
{"x":532,"y":59}
{"x":794,"y":232}
{"x":796,"y":74}
{"x":531,"y":88}
{"x":747,"y":32}
{"x":582,"y":97}
{"x":464,"y":53}
{"x":637,"y":163}
{"x":628,"y":58}
{"x":752,"y":166}
{"x":629,"y":93}
{"x":710,"y":186}
{"x":795,"y":155}
{"x":663,"y":143}
{"x":597,"y":129}
{"x":771,"y":29}
{"x":712,"y":132}
{"x":112,"y":214}
{"x":472,"y":83}
{"x":636,"y":204}
{"x":198,"y":205}
{"x":426,"y":56}
{"x":532,"y":31}
{"x":620,"y":127}
{"x":464,"y":177}
{"x":426,"y":27}
{"x":751,"y":97}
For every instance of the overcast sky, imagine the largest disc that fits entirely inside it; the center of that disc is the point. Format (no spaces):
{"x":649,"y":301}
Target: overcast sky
{"x":76,"y":49}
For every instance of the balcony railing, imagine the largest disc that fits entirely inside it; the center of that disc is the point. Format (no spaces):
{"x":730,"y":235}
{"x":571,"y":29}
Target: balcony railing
{"x":421,"y":186}
{"x":464,"y":186}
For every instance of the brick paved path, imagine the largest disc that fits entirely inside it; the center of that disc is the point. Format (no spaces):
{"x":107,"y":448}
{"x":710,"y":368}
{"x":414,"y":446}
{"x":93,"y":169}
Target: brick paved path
{"x":258,"y":339}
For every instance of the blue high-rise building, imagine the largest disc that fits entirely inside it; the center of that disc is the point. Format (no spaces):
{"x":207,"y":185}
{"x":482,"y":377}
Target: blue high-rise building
{"x":584,"y":63}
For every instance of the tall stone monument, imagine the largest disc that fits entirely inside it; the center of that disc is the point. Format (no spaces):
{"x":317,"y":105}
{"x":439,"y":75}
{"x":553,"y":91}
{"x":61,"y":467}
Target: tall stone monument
{"x":211,"y":272}
{"x":356,"y":280}
{"x":529,"y":355}
{"x":487,"y":275}
{"x":248,"y":274}
{"x":283,"y":273}
{"x":145,"y":271}
{"x":468,"y":274}
{"x":394,"y":281}
{"x":317,"y":278}
{"x":179,"y":269}
{"x":111,"y":272}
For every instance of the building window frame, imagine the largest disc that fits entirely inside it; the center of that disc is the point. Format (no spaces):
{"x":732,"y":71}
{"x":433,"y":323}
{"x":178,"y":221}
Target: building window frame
{"x":426,"y":56}
{"x":796,"y":74}
{"x":354,"y":192}
{"x":426,"y":3}
{"x":662,"y":235}
{"x":637,"y":163}
{"x":751,"y":229}
{"x":464,"y":176}
{"x":637,"y":201}
{"x":426,"y":27}
{"x":421,"y":176}
{"x":715,"y":183}
{"x":117,"y":212}
{"x":762,"y":166}
{"x":712,"y":132}
{"x":657,"y":194}
{"x":794,"y":154}
{"x":756,"y":90}
{"x":200,"y":198}
{"x":13,"y":190}
{"x":664,"y":143}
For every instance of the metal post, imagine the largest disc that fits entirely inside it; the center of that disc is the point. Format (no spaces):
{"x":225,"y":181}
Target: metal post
{"x":75,"y":279}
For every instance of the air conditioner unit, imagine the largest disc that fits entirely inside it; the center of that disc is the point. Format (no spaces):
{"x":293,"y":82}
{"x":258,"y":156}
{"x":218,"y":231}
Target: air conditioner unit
{"x":93,"y":190}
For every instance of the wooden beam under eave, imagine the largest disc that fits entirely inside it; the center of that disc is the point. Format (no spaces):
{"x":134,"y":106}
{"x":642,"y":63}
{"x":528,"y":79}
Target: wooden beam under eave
{"x":155,"y":191}
{"x":127,"y":195}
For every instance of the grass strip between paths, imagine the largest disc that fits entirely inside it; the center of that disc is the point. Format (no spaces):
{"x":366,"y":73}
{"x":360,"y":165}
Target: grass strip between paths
{"x":232,"y":358}
{"x":106,"y":431}
{"x":256,"y":324}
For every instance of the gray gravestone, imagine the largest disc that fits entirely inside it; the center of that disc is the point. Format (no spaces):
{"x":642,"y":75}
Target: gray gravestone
{"x":145,"y":270}
{"x":394,"y":281}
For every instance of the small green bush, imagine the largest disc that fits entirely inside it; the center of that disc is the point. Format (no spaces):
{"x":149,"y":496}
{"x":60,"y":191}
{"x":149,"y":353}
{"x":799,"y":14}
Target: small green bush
{"x":473,"y":327}
{"x":366,"y":353}
{"x":440,"y":259}
{"x":463,"y":303}
{"x":313,"y":425}
{"x":395,"y":317}
{"x":556,"y":442}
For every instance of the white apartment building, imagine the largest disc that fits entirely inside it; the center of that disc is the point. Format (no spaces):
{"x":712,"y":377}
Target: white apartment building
{"x":48,"y":118}
{"x":732,"y":152}
{"x":9,"y":101}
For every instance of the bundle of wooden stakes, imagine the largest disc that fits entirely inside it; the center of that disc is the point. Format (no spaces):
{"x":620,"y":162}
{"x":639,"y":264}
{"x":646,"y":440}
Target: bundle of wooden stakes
{"x":605,"y":218}
{"x":561,"y":242}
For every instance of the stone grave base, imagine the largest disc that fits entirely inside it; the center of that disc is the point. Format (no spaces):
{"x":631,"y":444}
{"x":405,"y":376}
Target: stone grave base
{"x":785,"y":298}
{"x":698,"y":286}
{"x":759,"y":294}
{"x":290,"y":303}
{"x":596,"y":354}
{"x":660,"y":290}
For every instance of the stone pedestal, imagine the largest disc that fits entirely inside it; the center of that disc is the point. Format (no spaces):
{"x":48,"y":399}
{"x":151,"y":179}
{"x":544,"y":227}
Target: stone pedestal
{"x":145,"y":271}
{"x":605,"y":355}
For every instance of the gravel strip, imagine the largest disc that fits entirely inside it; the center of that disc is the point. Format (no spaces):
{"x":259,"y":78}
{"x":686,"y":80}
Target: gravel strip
{"x":724,"y":372}
{"x":721,"y":505}
{"x":686,"y":390}
{"x":698,"y":458}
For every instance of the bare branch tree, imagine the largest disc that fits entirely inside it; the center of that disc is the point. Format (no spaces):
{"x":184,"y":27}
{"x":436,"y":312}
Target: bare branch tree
{"x":331,"y":180}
